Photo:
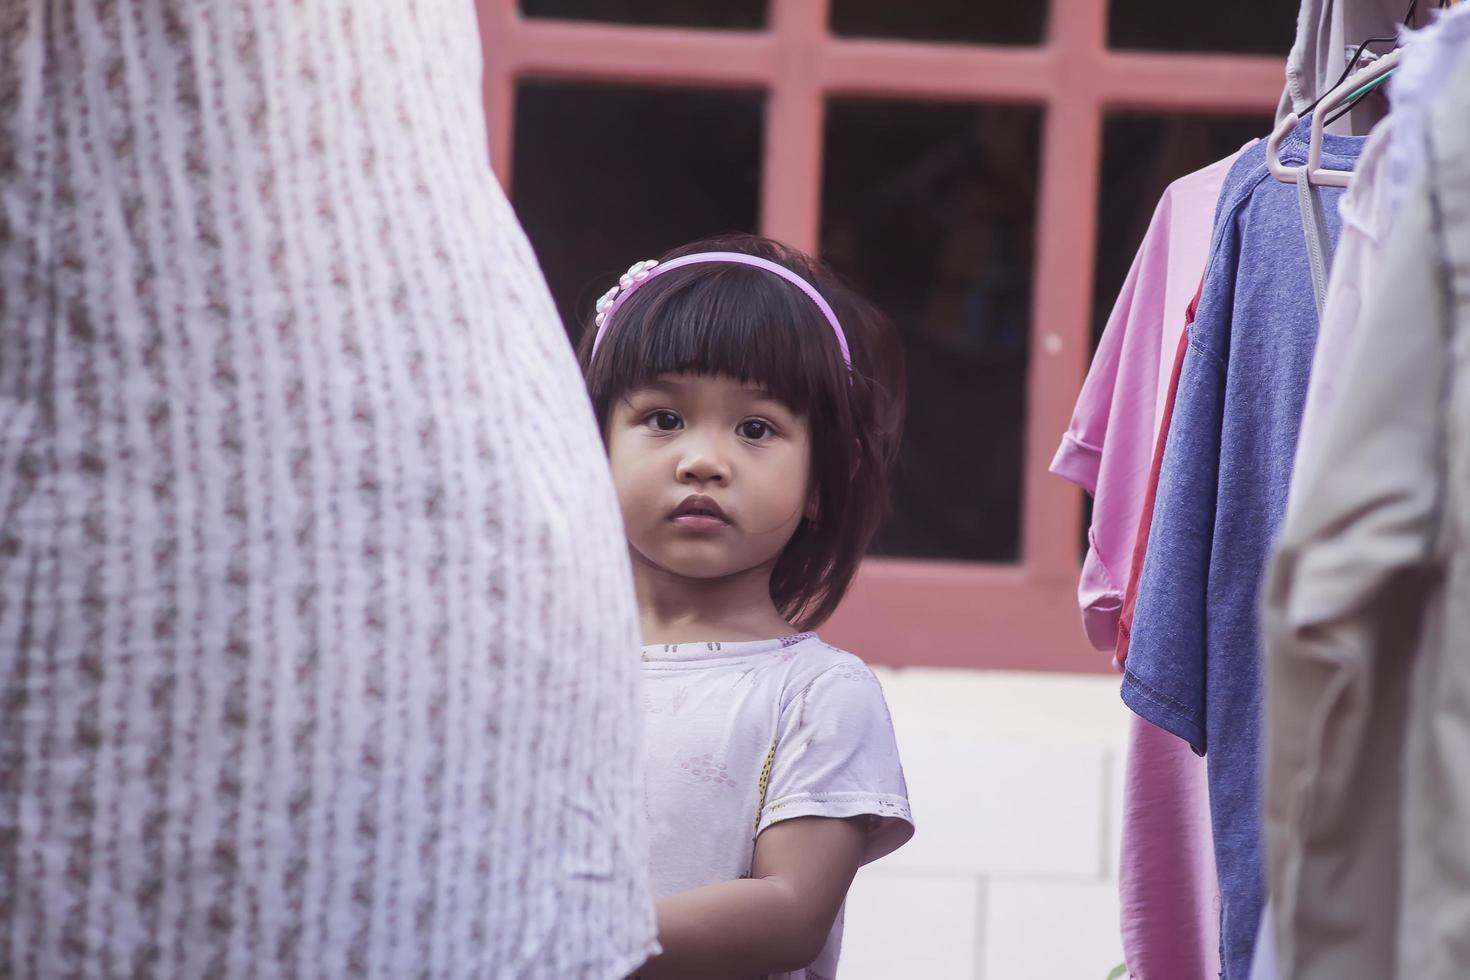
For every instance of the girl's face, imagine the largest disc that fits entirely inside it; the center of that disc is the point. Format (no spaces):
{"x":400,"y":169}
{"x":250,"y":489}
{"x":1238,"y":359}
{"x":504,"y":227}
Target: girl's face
{"x":713,"y":475}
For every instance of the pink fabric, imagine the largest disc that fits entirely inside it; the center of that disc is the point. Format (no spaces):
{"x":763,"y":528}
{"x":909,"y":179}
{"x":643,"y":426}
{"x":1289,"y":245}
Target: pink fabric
{"x":1170,"y":895}
{"x":1171,"y":911}
{"x":1167,"y":883}
{"x":1122,"y":399}
{"x":1150,"y":497}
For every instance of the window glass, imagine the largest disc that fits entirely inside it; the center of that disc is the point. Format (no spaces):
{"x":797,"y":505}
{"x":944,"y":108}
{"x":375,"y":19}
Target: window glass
{"x":941,"y":20}
{"x":1239,"y":27}
{"x":726,"y":14}
{"x":604,"y":176}
{"x":930,"y":210}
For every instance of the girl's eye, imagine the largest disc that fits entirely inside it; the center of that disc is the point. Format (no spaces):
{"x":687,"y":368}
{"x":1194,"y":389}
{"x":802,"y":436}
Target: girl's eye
{"x":663,"y":421}
{"x":754,"y":429}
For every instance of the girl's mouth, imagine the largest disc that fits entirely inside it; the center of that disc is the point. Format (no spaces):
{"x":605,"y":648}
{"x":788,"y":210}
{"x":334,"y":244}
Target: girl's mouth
{"x":699,"y":512}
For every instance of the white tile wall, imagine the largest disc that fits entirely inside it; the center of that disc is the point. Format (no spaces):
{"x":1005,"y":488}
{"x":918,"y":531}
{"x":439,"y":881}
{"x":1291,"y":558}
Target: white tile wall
{"x":1015,"y":781}
{"x":1051,"y":930}
{"x":1004,"y":807}
{"x":902,"y":924}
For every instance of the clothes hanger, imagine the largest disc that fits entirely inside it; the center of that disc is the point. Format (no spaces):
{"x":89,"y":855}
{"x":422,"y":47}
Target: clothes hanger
{"x":1350,"y":89}
{"x":1358,"y":96}
{"x":1352,"y":64}
{"x":1357,"y":57}
{"x":1364,"y":80}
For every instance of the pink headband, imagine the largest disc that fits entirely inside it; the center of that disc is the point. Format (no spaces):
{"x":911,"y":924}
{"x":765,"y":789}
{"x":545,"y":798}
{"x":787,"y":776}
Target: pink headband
{"x":641,"y":272}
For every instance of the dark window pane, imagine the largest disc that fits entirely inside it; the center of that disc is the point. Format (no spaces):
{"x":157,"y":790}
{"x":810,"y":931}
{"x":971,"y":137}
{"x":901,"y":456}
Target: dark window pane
{"x":930,"y":211}
{"x":1238,"y":27}
{"x":942,"y":20}
{"x":605,"y":176}
{"x":747,"y":15}
{"x":1142,"y":155}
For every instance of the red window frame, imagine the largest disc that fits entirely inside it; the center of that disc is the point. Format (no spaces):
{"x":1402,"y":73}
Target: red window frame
{"x":902,"y":612}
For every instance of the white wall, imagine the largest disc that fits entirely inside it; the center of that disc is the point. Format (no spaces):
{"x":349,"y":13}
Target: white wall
{"x":1015,"y":781}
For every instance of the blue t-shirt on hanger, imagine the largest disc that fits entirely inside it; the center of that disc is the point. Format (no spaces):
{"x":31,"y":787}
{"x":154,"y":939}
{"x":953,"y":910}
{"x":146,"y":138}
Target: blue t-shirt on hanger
{"x":1194,"y":665}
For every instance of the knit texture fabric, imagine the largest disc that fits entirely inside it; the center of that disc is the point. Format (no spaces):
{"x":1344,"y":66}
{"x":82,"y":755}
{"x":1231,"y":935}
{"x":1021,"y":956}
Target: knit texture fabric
{"x":318,"y":653}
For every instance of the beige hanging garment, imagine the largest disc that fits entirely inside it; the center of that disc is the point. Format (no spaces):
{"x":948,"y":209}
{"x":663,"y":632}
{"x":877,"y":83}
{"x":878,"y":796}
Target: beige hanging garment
{"x":1327,"y":34}
{"x":1367,"y":620}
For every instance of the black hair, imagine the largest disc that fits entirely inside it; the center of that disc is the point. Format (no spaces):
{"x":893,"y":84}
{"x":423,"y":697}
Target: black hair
{"x":752,"y":326}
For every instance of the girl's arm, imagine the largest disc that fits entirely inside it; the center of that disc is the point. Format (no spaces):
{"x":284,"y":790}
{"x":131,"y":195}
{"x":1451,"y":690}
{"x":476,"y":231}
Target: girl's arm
{"x":775,"y":921}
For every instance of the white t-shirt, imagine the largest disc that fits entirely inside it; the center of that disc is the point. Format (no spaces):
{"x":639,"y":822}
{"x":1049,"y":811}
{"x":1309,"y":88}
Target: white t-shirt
{"x":743,"y":735}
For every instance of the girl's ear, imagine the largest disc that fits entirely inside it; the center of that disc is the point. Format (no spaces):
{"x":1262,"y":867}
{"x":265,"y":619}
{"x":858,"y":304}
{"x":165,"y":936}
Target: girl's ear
{"x":812,"y":506}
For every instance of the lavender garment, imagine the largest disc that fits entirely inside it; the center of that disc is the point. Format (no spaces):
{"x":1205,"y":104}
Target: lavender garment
{"x":1431,"y":56}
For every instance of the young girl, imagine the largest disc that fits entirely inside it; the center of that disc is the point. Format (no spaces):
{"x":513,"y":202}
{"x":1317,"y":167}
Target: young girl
{"x":751,"y":407}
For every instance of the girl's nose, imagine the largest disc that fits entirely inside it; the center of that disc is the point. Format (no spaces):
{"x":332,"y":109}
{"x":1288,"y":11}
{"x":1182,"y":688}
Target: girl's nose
{"x":703,"y":463}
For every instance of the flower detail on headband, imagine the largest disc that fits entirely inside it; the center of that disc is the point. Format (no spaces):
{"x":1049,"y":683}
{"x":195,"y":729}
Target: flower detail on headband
{"x":636,"y":273}
{"x":641,"y":272}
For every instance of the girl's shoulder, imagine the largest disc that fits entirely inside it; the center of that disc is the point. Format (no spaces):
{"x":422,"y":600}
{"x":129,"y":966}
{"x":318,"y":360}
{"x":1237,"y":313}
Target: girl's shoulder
{"x":813,"y":658}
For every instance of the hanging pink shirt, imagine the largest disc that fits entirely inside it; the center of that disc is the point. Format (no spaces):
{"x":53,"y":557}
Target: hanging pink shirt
{"x":1167,"y":883}
{"x":1122,"y":399}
